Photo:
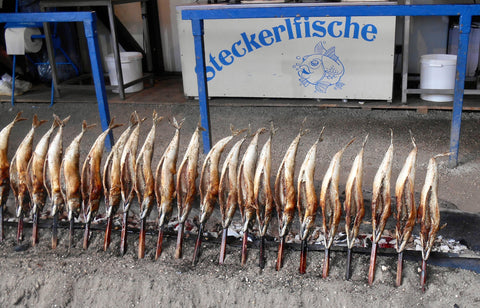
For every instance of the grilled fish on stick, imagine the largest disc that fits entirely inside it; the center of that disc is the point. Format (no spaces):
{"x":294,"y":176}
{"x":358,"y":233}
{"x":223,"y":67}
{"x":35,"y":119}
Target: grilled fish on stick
{"x":35,"y":182}
{"x":70,"y":176}
{"x":246,"y":194}
{"x":111,"y":179}
{"x":208,"y":187}
{"x":92,"y":181}
{"x":284,"y":196}
{"x":429,"y":213}
{"x":330,"y":204}
{"x":127,"y":180}
{"x":144,"y":183}
{"x":381,"y":203}
{"x":262,"y":192}
{"x":185,"y":189}
{"x":4,"y":167}
{"x":165,"y":186}
{"x":228,"y":193}
{"x":19,"y":175}
{"x":51,"y":176}
{"x":353,"y":205}
{"x":307,"y":202}
{"x":406,"y":209}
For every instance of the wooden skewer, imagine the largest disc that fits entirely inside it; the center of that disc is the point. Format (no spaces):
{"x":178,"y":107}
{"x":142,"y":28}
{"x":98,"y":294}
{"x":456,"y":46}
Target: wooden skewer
{"x":244,"y":247}
{"x":398,"y":281}
{"x":261,"y":261}
{"x":20,"y":229}
{"x":108,"y":234}
{"x":223,"y":246}
{"x":281,"y":246}
{"x":141,"y":239}
{"x":198,"y":245}
{"x":178,"y":251}
{"x":303,"y":257}
{"x":123,"y":237}
{"x":35,"y":229}
{"x":70,"y":240}
{"x":55,"y":231}
{"x":423,"y":276}
{"x":159,"y":243}
{"x":373,"y":259}
{"x":349,"y":261}
{"x":86,"y":235}
{"x":326,"y":263}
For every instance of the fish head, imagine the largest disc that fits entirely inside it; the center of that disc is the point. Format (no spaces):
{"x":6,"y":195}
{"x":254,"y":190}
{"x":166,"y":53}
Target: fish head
{"x":74,"y":207}
{"x":146,"y":206}
{"x":58,"y":203}
{"x":306,"y":227}
{"x":23,"y":205}
{"x":311,"y":68}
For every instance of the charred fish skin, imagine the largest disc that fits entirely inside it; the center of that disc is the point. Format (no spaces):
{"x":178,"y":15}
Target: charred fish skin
{"x":35,"y":171}
{"x":112,"y":185}
{"x":246,"y":193}
{"x":5,"y":166}
{"x":262,"y":189}
{"x":112,"y":171}
{"x":228,"y":193}
{"x":145,"y":182}
{"x":330,"y":203}
{"x":354,"y":204}
{"x":51,"y":169}
{"x":381,"y":204}
{"x":91,"y":180}
{"x":228,"y":187}
{"x":406,"y":209}
{"x":429,"y":213}
{"x":185,"y":186}
{"x":165,"y":176}
{"x":18,"y":170}
{"x":405,"y":196}
{"x":285,"y":195}
{"x":70,"y":173}
{"x":209,"y":179}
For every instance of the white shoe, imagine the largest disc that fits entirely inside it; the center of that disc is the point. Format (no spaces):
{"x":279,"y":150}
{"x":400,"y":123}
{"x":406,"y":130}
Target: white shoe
{"x":6,"y":89}
{"x":22,"y":85}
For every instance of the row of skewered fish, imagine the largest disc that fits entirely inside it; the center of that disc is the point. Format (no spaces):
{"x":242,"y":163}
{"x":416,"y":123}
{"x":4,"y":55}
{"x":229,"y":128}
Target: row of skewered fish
{"x":48,"y":170}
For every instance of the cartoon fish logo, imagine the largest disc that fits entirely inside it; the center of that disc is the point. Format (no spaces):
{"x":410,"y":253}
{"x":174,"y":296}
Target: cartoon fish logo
{"x":321,"y":69}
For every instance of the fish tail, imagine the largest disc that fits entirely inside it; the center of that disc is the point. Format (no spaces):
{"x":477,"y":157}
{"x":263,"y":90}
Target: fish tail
{"x":18,"y":117}
{"x":36,"y":122}
{"x":273,"y":130}
{"x":320,"y":137}
{"x":391,"y":136}
{"x":413,"y":138}
{"x":112,"y":124}
{"x":176,"y":124}
{"x":236,"y":132}
{"x":156,"y":117}
{"x":85,"y":126}
{"x":443,"y":154}
{"x":64,"y":121}
{"x":56,"y":121}
{"x":348,"y":144}
{"x":303,"y":130}
{"x":365,"y":141}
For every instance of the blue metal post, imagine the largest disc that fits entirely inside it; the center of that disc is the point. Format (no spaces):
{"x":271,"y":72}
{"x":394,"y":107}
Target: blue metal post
{"x":464,"y":33}
{"x":97,"y":74}
{"x":13,"y":79}
{"x":200,"y":69}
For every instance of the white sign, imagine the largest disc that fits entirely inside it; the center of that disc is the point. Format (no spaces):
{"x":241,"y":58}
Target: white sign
{"x":330,"y":57}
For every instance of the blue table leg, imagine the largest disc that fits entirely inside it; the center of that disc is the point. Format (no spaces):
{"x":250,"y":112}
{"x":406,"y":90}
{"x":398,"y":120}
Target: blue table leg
{"x":465,"y":22}
{"x":97,"y":74}
{"x":200,"y":69}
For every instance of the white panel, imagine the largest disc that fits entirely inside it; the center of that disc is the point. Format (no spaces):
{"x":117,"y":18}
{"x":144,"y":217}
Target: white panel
{"x":299,"y":57}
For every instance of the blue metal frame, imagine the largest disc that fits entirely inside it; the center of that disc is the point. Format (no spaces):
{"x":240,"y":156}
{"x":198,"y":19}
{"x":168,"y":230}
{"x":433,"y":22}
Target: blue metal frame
{"x":89,"y":20}
{"x":197,"y":14}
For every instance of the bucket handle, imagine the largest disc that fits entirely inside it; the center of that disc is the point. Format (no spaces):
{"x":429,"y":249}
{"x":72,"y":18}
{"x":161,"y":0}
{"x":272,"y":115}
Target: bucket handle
{"x":435,"y":65}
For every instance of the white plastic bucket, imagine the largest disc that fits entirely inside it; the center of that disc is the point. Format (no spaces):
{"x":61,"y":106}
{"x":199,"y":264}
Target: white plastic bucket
{"x":437,"y":71}
{"x":131,"y":70}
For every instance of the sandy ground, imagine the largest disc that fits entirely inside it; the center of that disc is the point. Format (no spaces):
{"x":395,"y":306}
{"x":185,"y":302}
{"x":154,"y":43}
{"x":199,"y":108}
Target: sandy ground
{"x":41,"y":277}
